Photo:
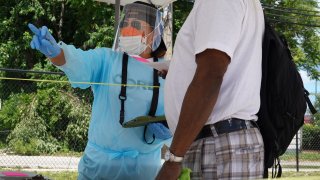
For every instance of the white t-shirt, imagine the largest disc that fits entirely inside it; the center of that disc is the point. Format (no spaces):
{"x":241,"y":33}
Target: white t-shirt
{"x":235,"y":27}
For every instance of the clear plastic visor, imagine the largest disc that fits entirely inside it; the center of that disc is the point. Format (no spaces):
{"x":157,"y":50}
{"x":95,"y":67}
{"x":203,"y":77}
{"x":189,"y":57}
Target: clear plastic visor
{"x":140,"y":29}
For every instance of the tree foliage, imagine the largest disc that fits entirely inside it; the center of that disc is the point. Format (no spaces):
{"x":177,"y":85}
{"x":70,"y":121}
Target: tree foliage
{"x":299,"y":22}
{"x":86,"y":24}
{"x":181,"y":11}
{"x":43,"y":117}
{"x":46,"y":121}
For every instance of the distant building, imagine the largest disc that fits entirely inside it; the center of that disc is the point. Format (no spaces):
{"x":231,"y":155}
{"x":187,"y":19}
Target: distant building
{"x":308,"y":119}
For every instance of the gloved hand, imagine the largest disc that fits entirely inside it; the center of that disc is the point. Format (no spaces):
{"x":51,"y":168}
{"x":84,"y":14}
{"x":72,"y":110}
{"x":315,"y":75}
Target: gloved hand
{"x":44,"y":42}
{"x":159,"y":130}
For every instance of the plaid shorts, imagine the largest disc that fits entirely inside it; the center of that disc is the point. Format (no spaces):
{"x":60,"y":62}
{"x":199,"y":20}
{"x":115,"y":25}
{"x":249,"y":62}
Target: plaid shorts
{"x":235,"y":155}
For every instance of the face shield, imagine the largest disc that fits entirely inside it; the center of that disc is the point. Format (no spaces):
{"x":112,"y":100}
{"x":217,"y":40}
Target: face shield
{"x":140,"y":29}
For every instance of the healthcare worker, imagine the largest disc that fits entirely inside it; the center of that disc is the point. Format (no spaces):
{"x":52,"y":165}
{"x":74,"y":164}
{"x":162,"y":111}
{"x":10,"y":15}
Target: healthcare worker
{"x":112,"y":151}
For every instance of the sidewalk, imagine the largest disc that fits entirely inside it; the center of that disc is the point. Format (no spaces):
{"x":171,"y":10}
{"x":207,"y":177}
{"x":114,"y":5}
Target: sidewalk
{"x":39,"y":162}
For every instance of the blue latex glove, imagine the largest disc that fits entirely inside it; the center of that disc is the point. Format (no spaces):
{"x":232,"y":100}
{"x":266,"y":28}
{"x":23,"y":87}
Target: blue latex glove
{"x":159,"y":130}
{"x":44,"y":41}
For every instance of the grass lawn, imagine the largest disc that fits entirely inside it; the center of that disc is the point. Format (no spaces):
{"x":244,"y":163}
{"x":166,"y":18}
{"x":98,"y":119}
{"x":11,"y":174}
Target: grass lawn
{"x":60,"y":175}
{"x":302,"y":178}
{"x":286,"y":175}
{"x":312,"y":156}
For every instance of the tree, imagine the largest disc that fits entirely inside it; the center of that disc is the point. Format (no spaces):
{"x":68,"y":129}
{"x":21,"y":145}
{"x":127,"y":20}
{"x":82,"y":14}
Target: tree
{"x":53,"y":118}
{"x":299,"y":21}
{"x":181,"y":11}
{"x":47,"y":121}
{"x":86,"y":24}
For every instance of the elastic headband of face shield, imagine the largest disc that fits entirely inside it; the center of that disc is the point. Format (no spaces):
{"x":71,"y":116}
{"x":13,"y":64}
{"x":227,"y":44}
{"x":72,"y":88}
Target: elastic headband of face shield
{"x":140,"y":19}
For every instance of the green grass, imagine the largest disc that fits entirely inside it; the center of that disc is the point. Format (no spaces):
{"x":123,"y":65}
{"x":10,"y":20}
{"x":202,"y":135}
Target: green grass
{"x":60,"y":175}
{"x":59,"y":153}
{"x":70,"y":153}
{"x":317,"y":166}
{"x":303,"y":178}
{"x":286,"y":175}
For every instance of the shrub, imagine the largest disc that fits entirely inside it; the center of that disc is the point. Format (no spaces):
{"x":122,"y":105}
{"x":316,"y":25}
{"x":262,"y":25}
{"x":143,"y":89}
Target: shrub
{"x":46,"y":121}
{"x":310,"y":137}
{"x":25,"y":148}
{"x":11,"y":113}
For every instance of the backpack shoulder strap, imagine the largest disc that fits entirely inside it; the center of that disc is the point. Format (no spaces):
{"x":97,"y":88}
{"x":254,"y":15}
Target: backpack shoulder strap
{"x":311,"y":107}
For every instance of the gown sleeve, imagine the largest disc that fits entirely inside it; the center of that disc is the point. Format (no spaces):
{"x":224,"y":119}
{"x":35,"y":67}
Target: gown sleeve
{"x":84,"y":67}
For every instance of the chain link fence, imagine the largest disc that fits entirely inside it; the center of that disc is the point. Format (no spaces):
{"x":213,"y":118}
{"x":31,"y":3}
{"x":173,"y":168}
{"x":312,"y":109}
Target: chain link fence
{"x":43,"y":121}
{"x":44,"y":124}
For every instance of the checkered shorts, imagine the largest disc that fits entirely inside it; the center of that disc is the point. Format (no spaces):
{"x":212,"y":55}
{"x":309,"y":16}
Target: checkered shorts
{"x":235,"y":155}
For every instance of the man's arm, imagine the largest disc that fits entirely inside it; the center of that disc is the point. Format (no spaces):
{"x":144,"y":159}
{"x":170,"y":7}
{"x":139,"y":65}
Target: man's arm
{"x":200,"y":98}
{"x":197,"y":105}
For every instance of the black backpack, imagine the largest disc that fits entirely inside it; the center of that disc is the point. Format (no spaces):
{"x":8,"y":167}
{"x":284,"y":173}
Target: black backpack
{"x":283,"y":99}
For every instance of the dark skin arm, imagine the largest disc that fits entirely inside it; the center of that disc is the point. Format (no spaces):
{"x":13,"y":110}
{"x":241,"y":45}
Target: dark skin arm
{"x":197,"y":105}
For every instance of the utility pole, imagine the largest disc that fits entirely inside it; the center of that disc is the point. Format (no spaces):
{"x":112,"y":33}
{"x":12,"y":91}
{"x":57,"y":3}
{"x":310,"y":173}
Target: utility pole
{"x":117,"y":15}
{"x":167,"y":34}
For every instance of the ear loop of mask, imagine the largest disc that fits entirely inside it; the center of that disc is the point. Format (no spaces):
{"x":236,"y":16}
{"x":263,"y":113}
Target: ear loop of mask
{"x":144,"y":38}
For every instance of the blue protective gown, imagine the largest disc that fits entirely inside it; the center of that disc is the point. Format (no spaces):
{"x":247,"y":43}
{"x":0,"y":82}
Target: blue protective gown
{"x":114,"y":152}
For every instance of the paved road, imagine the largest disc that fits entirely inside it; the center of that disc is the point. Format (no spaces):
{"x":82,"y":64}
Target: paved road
{"x":39,"y":162}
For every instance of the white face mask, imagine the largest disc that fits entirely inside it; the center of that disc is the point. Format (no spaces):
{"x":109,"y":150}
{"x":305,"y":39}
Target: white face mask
{"x":133,"y":45}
